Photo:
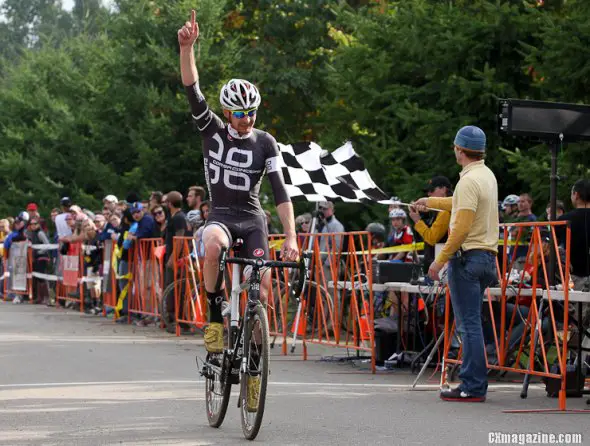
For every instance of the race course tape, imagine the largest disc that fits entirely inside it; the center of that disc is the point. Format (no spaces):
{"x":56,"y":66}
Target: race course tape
{"x":276,"y":244}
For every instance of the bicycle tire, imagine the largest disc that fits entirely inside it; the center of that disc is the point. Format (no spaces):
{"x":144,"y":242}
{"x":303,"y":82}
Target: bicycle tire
{"x":163,"y":305}
{"x":216,"y":418}
{"x":251,"y":430}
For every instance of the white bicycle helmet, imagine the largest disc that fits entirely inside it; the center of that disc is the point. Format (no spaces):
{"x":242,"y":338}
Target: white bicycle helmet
{"x":239,"y":94}
{"x":510,"y":200}
{"x":397,"y":213}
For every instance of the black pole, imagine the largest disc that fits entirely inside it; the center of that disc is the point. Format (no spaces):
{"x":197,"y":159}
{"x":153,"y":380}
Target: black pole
{"x":554,"y":178}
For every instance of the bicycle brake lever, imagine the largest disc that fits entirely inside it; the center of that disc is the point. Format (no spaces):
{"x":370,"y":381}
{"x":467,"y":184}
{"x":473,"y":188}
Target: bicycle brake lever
{"x":303,"y":274}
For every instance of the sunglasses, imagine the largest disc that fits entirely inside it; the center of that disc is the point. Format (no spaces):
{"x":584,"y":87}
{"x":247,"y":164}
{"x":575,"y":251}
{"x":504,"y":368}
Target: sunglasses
{"x":159,"y":213}
{"x":306,"y":222}
{"x":242,"y":113}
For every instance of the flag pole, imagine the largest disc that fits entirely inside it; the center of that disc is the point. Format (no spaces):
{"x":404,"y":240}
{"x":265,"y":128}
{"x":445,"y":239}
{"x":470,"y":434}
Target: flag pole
{"x":312,"y":231}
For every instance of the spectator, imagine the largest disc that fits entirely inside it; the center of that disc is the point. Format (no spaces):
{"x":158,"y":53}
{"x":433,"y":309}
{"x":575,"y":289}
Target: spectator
{"x":194,"y":220}
{"x":194,"y":197}
{"x":378,"y":235}
{"x":107,"y":211}
{"x":401,"y":234}
{"x":18,"y":232}
{"x":559,"y":210}
{"x":121,"y":207}
{"x":177,"y":227}
{"x":303,"y":223}
{"x":509,"y":208}
{"x":33,"y":211}
{"x":115,"y":222}
{"x":17,"y":235}
{"x":145,"y":222}
{"x":579,"y":220}
{"x":110,"y":201}
{"x":204,"y":208}
{"x":92,"y":262}
{"x":100,"y":222}
{"x":37,"y":236}
{"x":302,"y":227}
{"x":155,"y":199}
{"x":123,"y":245}
{"x":433,"y":226}
{"x":525,"y":203}
{"x":160,"y":219}
{"x":331,"y":225}
{"x":61,"y":226}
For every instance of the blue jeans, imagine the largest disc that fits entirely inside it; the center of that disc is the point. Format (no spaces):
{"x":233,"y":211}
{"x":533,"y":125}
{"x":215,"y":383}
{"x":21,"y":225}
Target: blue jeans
{"x":469,"y":276}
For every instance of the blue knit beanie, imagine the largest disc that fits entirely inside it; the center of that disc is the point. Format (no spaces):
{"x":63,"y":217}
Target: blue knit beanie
{"x":471,"y":137}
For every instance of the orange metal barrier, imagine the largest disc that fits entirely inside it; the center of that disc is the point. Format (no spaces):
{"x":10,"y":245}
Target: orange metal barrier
{"x":147,"y":276}
{"x":20,"y":264}
{"x":70,"y":271}
{"x":547,"y":331}
{"x":338,"y":301}
{"x":189,"y":290}
{"x":280,"y":308}
{"x":109,"y":274}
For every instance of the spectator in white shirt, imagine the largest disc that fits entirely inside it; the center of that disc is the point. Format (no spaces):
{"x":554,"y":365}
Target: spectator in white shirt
{"x":61,"y":225}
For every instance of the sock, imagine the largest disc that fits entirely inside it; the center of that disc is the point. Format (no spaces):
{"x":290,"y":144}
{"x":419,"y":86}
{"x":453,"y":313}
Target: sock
{"x":215,"y":300}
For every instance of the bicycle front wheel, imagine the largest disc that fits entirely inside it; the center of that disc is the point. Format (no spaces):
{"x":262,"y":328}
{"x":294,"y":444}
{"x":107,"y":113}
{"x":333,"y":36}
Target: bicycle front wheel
{"x":255,"y":379}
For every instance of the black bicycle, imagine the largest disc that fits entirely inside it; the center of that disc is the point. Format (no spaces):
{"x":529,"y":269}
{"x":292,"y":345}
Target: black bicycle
{"x":245,"y":358}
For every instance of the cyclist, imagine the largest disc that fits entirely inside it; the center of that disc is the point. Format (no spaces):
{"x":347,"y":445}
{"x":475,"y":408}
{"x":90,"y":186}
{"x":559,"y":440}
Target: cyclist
{"x":236,"y":156}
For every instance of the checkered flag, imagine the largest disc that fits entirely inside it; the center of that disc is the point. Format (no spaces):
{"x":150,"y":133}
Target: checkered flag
{"x":314,"y":174}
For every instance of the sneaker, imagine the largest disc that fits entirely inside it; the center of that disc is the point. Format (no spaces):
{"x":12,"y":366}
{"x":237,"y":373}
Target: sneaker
{"x":214,"y":338}
{"x":253,"y":393}
{"x":17,"y":300}
{"x":459,"y":395}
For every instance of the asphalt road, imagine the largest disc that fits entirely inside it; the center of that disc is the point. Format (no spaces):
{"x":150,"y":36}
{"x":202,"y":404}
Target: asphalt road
{"x":70,"y":379}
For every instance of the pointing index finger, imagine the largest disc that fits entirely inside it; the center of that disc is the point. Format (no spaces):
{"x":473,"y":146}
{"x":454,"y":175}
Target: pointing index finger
{"x":193,"y":19}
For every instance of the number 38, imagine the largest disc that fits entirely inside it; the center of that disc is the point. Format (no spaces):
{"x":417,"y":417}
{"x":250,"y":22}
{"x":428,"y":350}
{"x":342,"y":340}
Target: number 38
{"x":231,"y":179}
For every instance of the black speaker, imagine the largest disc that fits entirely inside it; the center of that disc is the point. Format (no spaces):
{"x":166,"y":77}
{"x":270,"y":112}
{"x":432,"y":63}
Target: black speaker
{"x":387,"y":271}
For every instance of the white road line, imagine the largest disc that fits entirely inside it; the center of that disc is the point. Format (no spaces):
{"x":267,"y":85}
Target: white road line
{"x":272,"y":383}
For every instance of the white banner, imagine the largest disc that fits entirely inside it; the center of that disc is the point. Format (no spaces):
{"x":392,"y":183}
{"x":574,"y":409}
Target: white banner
{"x":18,"y":265}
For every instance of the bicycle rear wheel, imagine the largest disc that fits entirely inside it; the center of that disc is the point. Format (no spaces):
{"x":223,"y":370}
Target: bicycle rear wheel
{"x":255,"y":380}
{"x":218,"y":382}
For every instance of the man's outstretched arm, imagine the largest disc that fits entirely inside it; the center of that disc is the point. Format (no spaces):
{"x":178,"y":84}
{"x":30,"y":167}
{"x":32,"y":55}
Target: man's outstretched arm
{"x":187,"y":36}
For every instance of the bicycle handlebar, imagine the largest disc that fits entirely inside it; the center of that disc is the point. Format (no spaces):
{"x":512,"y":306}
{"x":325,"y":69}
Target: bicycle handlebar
{"x":302,"y":265}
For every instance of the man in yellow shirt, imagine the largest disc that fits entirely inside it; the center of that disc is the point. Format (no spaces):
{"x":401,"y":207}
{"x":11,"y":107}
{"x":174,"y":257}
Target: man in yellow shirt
{"x":470,"y":251}
{"x":433,"y":226}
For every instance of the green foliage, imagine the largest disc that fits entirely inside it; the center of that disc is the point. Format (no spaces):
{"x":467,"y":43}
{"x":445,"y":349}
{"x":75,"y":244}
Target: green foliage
{"x":92,"y":101}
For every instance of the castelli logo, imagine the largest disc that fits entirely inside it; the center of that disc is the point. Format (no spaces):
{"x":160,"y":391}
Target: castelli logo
{"x":258,"y":252}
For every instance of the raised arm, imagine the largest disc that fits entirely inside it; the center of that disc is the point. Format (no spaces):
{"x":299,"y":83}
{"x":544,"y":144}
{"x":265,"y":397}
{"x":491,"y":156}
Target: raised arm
{"x":187,"y":36}
{"x":202,"y":115}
